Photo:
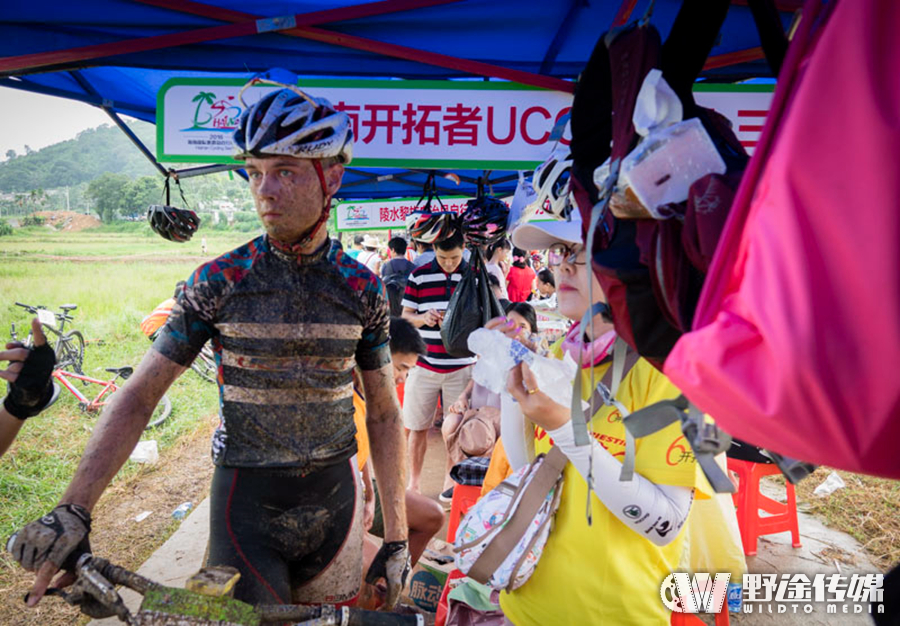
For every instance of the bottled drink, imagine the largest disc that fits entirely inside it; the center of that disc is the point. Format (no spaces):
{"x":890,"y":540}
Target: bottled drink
{"x":182,"y":510}
{"x":735,"y":597}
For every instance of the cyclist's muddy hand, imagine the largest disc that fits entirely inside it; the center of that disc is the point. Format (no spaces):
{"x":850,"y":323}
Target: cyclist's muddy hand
{"x":49,"y":543}
{"x":392,"y":564}
{"x":29,"y":375}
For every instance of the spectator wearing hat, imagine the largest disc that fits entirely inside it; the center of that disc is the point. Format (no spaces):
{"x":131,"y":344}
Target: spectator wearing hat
{"x":370,"y":257}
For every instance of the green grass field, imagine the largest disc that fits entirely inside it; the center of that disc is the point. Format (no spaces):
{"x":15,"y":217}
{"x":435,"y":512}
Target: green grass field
{"x":112,"y":296}
{"x":126,"y":240}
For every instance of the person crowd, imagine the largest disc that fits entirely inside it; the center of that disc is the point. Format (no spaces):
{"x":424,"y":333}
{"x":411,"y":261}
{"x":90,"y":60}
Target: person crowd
{"x":332,"y":374}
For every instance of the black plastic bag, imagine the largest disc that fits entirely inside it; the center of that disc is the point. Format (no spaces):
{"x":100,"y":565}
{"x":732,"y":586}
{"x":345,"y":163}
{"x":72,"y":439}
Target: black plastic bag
{"x":471,"y":306}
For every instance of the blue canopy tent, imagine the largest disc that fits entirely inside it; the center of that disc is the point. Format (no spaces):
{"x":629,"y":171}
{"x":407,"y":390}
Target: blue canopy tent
{"x":116,"y":54}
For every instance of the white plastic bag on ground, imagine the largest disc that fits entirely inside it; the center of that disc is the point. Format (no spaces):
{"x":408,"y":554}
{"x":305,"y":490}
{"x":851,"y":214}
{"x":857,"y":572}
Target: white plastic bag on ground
{"x":830,"y":485}
{"x":145,"y":452}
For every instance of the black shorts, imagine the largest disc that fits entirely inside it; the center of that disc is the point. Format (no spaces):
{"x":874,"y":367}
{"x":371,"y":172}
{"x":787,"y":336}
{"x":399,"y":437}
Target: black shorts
{"x":293,"y":537}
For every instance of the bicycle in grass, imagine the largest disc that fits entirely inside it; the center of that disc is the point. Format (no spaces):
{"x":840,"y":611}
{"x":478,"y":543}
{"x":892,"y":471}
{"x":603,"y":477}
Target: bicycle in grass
{"x":66,"y":358}
{"x":205,"y":602}
{"x":107,"y":388}
{"x":69,"y":346}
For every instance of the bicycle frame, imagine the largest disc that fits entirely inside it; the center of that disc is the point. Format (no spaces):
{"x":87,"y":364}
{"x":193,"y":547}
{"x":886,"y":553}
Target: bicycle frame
{"x":109,"y":386}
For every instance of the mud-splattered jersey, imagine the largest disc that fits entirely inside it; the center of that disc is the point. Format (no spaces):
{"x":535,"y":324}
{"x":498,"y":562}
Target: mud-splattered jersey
{"x":286,"y":336}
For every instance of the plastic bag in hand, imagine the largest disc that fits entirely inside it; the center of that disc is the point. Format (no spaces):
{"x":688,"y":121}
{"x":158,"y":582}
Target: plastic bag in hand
{"x":498,"y":354}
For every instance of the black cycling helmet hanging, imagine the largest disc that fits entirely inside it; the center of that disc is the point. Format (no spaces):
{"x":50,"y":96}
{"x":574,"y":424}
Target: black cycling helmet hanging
{"x":427,"y":226}
{"x":485,"y":219}
{"x":170,"y":222}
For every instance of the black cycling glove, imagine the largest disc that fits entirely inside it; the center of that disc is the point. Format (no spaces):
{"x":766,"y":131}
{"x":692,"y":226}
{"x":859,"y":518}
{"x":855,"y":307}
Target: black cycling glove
{"x":392,"y":564}
{"x":60,"y":536}
{"x":33,"y":388}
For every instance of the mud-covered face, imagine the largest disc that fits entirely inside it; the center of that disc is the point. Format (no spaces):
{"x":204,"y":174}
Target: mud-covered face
{"x":403,"y":363}
{"x":288,"y":195}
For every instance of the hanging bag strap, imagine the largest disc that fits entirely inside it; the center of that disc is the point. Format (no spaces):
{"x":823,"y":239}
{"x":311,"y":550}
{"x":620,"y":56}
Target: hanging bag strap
{"x":624,"y":358}
{"x":705,"y":439}
{"x":508,"y":537}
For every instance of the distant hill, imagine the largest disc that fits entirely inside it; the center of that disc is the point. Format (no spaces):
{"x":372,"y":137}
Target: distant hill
{"x":93,"y":152}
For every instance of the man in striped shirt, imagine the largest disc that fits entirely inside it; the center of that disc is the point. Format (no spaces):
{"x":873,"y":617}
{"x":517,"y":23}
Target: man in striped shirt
{"x":437,"y":374}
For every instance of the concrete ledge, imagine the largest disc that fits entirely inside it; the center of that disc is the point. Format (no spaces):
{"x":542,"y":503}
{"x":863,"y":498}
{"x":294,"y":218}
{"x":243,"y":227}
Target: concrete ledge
{"x":174,"y":561}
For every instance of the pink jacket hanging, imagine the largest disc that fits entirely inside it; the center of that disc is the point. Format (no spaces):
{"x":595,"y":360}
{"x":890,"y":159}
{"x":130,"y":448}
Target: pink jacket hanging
{"x":796,"y":340}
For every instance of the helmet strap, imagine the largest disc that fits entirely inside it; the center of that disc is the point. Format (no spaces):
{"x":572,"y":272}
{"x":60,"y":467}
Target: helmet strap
{"x":326,"y":210}
{"x":317,"y":164}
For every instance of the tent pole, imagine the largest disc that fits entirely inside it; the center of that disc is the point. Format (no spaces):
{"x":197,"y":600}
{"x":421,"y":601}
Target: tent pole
{"x":561,"y":34}
{"x":134,"y":139}
{"x":624,"y":13}
{"x":439,"y":60}
{"x":106,"y":105}
{"x":734,"y":58}
{"x":240,"y":27}
{"x":191,"y":172}
{"x":313,"y":18}
{"x":377,"y":47}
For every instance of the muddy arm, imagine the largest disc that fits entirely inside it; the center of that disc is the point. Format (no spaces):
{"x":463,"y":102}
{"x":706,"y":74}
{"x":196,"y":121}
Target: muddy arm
{"x":119,"y":428}
{"x":388,"y":449}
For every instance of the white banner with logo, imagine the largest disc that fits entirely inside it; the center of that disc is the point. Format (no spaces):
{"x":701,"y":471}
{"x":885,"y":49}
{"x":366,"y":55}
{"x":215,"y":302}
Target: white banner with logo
{"x":422,"y":124}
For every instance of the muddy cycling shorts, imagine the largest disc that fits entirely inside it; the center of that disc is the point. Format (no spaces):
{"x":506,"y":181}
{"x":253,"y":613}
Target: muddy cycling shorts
{"x":293,"y":537}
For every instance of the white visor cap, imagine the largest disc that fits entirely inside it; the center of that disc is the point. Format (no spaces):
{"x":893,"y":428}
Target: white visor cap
{"x":542,"y":235}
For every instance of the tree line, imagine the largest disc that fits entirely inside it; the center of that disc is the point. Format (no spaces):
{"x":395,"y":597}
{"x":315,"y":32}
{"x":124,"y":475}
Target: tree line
{"x":101,"y":172}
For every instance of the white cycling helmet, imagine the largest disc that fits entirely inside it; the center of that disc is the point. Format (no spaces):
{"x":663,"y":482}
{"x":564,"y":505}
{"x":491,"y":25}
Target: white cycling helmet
{"x":288,"y":122}
{"x":551,"y":182}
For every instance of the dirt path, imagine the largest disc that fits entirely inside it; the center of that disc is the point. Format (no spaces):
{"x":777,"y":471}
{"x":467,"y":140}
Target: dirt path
{"x":182,"y":474}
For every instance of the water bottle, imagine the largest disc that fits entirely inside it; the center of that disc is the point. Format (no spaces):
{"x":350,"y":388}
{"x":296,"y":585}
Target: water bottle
{"x":735,"y":597}
{"x":182,"y":510}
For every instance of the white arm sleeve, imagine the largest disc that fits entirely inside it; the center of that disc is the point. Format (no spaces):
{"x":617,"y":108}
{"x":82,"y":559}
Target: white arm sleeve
{"x":656,"y":512}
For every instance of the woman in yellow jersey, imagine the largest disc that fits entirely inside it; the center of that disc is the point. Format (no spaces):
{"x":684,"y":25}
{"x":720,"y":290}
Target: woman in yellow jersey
{"x":608,"y":571}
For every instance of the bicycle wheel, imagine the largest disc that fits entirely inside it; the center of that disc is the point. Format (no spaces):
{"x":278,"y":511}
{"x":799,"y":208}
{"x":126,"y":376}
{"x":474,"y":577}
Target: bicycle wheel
{"x":70,"y":352}
{"x":205,"y":364}
{"x":56,"y":390}
{"x":160,"y":413}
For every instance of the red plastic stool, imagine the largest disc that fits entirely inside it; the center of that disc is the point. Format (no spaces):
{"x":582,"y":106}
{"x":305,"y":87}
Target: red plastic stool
{"x":749,"y":500}
{"x":464,"y":496}
{"x":440,"y":618}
